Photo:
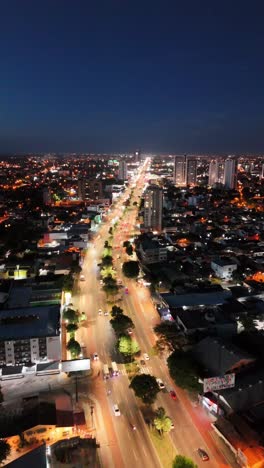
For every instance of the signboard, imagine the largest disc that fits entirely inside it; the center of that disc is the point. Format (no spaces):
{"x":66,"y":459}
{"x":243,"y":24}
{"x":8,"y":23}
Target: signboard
{"x":218,"y":383}
{"x":75,"y":365}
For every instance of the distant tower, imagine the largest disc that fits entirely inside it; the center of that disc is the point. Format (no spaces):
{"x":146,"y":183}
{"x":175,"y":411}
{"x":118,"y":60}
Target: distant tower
{"x":191,"y":171}
{"x":230,"y":173}
{"x":122,"y":171}
{"x":179,"y":170}
{"x":153,"y":208}
{"x":261,"y":175}
{"x":46,"y":196}
{"x":216,"y":172}
{"x":137,"y":156}
{"x":82,"y":189}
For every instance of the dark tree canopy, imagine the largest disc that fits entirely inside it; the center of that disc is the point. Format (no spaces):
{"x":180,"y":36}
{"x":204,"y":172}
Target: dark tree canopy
{"x":145,"y":387}
{"x":74,"y":347}
{"x":116,"y":311}
{"x":5,"y":450}
{"x":184,"y":371}
{"x":70,"y":315}
{"x":131,"y":269}
{"x":121,"y":323}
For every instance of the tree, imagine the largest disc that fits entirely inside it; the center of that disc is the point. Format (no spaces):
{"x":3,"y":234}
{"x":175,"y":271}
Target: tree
{"x":135,"y":203}
{"x":110,"y":289}
{"x":129,"y":250}
{"x":68,"y":282}
{"x":71,"y":327}
{"x":184,"y":371}
{"x":169,"y":336}
{"x":183,"y":462}
{"x":70,"y":315}
{"x":110,"y":231}
{"x":131,"y":269}
{"x":128,"y":346}
{"x":145,"y":387}
{"x":126,"y":244}
{"x":247,"y":322}
{"x":116,"y":311}
{"x":121,"y":324}
{"x":162,"y":422}
{"x":5,"y":450}
{"x":74,"y":347}
{"x":107,"y":260}
{"x":106,"y":244}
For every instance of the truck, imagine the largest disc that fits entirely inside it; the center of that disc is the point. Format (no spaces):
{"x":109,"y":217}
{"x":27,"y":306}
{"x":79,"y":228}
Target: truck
{"x":106,"y":372}
{"x":115,"y":370}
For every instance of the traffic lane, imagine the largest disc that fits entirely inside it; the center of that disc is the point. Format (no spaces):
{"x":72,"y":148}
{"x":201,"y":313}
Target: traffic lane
{"x":131,"y":415}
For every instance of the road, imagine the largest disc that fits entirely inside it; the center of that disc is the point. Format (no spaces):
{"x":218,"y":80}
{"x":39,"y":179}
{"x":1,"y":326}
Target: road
{"x":120,"y":445}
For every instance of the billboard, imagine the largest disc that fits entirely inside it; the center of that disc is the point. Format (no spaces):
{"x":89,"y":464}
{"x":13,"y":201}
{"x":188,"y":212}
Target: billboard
{"x":218,"y":383}
{"x":75,"y":365}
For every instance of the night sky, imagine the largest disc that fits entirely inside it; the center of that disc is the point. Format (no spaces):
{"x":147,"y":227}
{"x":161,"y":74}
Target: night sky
{"x":163,"y":76}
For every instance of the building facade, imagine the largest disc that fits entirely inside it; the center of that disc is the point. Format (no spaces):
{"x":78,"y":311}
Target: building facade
{"x":216,"y":172}
{"x":179,"y":170}
{"x":153,"y":206}
{"x":122,"y":170}
{"x":230,"y":173}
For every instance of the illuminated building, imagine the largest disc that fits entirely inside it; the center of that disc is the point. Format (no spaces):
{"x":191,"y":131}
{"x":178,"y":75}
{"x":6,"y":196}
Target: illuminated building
{"x":179,"y":170}
{"x":216,"y":172}
{"x":153,"y":208}
{"x":230,"y":173}
{"x":191,"y":171}
{"x":90,"y":189}
{"x":122,"y":171}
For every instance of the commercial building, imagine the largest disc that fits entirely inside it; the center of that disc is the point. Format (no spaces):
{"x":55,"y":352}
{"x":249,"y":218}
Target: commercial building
{"x":30,"y":335}
{"x":122,"y":170}
{"x":179,"y":170}
{"x":191,"y":171}
{"x":90,"y":189}
{"x":153,"y":208}
{"x":230,"y":173}
{"x":224,"y":267}
{"x":216,"y":172}
{"x":152,"y":251}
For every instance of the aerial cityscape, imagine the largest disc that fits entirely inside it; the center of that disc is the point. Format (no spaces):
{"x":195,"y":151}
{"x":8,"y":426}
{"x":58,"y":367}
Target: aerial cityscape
{"x":131,"y":236}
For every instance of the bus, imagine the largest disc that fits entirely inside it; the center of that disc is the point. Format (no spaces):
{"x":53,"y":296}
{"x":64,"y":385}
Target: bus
{"x":115,"y":370}
{"x":106,"y":373}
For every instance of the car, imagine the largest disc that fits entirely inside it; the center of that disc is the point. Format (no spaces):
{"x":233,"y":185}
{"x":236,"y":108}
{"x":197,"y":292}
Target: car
{"x":101,"y":282}
{"x":106,"y":313}
{"x":95,"y":357}
{"x":100,"y":312}
{"x":130,"y":331}
{"x":160,"y":384}
{"x":82,"y":278}
{"x":126,"y":290}
{"x":173,"y":395}
{"x":117,"y":410}
{"x":142,"y":362}
{"x":202,"y":454}
{"x":172,"y":425}
{"x":146,"y":357}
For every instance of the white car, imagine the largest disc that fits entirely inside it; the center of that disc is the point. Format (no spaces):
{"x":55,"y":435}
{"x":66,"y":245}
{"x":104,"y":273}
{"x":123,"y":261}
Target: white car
{"x":160,"y":384}
{"x":82,"y":278}
{"x":106,"y":313}
{"x":117,"y":410}
{"x":100,"y":312}
{"x":101,"y":282}
{"x":146,"y":357}
{"x":95,"y":357}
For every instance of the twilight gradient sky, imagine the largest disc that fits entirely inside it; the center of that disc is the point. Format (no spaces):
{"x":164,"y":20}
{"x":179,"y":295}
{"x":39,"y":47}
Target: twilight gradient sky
{"x":114,"y":75}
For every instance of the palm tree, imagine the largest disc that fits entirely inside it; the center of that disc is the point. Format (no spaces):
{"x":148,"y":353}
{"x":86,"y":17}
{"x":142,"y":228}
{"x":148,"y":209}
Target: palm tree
{"x":162,"y":422}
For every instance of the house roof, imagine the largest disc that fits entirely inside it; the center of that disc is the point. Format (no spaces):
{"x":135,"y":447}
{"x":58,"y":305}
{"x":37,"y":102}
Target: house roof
{"x":29,"y":322}
{"x":196,"y":299}
{"x":248,"y":391}
{"x":218,"y":356}
{"x":198,"y":318}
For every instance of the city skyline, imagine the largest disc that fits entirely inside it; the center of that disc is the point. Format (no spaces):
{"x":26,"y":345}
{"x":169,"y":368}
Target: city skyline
{"x":112,"y":77}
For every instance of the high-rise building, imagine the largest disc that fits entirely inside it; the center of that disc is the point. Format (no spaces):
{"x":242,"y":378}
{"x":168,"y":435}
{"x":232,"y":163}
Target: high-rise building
{"x":122,"y":171}
{"x":230,"y":173}
{"x":261,"y":175}
{"x":46,"y":196}
{"x":190,"y":171}
{"x":179,"y":170}
{"x":153,"y":208}
{"x":90,"y":189}
{"x":216,"y":172}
